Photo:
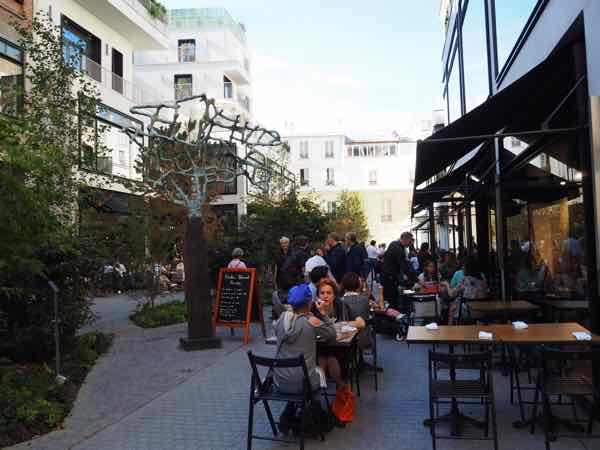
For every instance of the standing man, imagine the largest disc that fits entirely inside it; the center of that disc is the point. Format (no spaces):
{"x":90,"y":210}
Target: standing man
{"x":336,"y":256}
{"x":355,"y":260}
{"x":372,"y":255}
{"x":397,"y":269}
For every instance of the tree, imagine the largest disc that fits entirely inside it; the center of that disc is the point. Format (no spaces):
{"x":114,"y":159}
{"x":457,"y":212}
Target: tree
{"x":190,"y":147}
{"x":39,"y":152}
{"x":350,"y":215}
{"x":267,"y":221}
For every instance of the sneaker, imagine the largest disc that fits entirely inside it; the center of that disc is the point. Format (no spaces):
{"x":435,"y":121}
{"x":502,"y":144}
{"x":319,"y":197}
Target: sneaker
{"x":399,"y":337}
{"x":271,"y":340}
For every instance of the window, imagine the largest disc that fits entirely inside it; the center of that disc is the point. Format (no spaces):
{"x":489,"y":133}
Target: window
{"x":186,"y":50}
{"x":453,"y":94}
{"x":303,"y":177}
{"x":102,"y":137}
{"x":117,"y":71}
{"x":329,"y":153}
{"x":303,"y":149}
{"x":331,"y":207}
{"x":330,"y":180}
{"x":511,"y":17}
{"x":82,"y":49}
{"x":227,"y":87}
{"x":475,"y":55}
{"x":183,"y":86}
{"x":372,"y":177}
{"x":386,"y":215}
{"x":11,"y":78}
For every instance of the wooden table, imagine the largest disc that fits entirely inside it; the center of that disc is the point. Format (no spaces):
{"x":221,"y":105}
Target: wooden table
{"x":542,"y":333}
{"x":505,"y":310}
{"x":449,"y":334}
{"x":557,"y":307}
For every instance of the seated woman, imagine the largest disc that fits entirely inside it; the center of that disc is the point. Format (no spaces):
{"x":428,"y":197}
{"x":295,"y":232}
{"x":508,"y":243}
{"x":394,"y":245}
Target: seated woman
{"x":429,"y":278}
{"x":357,"y":301}
{"x":297,"y":332}
{"x":472,"y":286}
{"x":329,"y":307}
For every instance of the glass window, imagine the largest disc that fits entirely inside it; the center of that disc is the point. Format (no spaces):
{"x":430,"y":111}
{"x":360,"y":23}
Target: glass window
{"x":11,"y":85}
{"x":303,"y":149}
{"x":329,"y":153}
{"x":454,"y":92}
{"x":386,"y":215}
{"x":331,"y":207}
{"x":545,"y":225}
{"x":511,"y":17}
{"x":475,"y":55}
{"x":82,"y":49}
{"x":372,"y":177}
{"x":303,"y":177}
{"x":227,"y":87}
{"x":183,"y":86}
{"x":187,"y":50}
{"x":330,"y":177}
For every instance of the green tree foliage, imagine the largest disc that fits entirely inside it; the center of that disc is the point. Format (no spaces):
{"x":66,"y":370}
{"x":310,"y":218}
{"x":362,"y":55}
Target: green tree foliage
{"x":350,"y":215}
{"x":266,"y":222}
{"x":39,"y":152}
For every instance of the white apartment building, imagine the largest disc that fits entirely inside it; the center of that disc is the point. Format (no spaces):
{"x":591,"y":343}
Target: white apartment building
{"x":207,"y":54}
{"x":380,"y":168}
{"x":109,"y":31}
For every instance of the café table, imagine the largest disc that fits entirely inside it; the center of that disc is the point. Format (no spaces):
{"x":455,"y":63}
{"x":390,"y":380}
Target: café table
{"x":558,"y":307}
{"x":346,"y":343}
{"x":534,"y":334}
{"x":539,"y":334}
{"x":503,"y":309}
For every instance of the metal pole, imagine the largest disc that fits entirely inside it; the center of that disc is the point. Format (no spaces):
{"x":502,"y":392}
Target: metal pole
{"x":56,"y":334}
{"x":500,"y":238}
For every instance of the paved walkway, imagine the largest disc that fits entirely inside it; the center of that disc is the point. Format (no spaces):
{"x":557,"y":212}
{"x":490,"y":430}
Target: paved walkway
{"x":149,"y":395}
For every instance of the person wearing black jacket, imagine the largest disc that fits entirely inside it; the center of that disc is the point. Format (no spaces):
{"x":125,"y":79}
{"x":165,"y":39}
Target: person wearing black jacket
{"x":355,"y":259}
{"x":397,"y":269}
{"x":336,"y":256}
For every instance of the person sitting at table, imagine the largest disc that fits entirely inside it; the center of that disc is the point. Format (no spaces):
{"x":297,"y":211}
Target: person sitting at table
{"x":473,"y":286}
{"x":297,"y":332}
{"x":329,"y":307}
{"x":315,"y":276}
{"x":429,"y":277}
{"x":530,"y":277}
{"x":357,"y":301}
{"x":236,"y":262}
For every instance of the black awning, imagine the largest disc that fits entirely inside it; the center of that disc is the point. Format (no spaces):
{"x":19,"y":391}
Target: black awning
{"x":522,"y":106}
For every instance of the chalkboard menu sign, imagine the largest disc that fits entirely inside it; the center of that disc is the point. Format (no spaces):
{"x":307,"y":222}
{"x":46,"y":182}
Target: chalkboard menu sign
{"x":238,"y":300}
{"x":234,"y":293}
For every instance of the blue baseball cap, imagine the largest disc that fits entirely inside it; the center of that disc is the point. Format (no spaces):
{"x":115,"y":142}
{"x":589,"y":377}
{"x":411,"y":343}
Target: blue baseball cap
{"x":299,"y":296}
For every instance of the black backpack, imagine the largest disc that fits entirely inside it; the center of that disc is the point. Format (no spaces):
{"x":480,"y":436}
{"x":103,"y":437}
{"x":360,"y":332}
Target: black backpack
{"x":314,"y":422}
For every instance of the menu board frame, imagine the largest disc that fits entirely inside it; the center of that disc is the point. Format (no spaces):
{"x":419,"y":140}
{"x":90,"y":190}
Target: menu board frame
{"x":253,"y":313}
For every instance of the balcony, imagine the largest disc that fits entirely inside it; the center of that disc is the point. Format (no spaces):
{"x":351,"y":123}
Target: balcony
{"x":144,"y":22}
{"x":136,"y":93}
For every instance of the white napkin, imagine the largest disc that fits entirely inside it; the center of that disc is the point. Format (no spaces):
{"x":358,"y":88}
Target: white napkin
{"x":432,"y":326}
{"x":582,"y":336}
{"x":485,"y":335}
{"x":519,"y":325}
{"x":348,"y":329}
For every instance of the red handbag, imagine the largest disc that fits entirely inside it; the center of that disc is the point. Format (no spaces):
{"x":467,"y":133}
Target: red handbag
{"x":343,"y":406}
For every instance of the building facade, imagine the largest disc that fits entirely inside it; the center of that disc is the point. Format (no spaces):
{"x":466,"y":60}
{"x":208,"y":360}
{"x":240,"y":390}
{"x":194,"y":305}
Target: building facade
{"x":207,"y":53}
{"x":379,"y":168}
{"x":517,"y":179}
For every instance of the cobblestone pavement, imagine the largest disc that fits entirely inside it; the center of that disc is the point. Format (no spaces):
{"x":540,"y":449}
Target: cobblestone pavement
{"x":149,"y":395}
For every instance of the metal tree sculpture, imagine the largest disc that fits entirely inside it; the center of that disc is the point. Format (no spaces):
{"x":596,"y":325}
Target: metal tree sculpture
{"x":180,"y":156}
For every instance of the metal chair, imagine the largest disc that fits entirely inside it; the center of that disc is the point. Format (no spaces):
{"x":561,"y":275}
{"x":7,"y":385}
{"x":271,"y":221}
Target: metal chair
{"x":423,"y":300}
{"x":371,"y":351}
{"x":556,"y":378}
{"x":263,"y":390}
{"x":454,"y":391}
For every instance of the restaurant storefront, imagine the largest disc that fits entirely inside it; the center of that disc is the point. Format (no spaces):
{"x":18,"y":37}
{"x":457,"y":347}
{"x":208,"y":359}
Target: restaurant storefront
{"x":512,"y":181}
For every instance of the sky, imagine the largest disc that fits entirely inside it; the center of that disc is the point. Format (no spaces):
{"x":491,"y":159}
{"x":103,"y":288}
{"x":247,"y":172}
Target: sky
{"x":340,"y":65}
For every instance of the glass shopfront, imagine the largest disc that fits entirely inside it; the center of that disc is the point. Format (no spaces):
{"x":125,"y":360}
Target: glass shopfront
{"x":475,"y":55}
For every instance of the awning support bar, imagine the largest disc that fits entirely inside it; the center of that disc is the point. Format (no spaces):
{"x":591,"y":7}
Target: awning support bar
{"x":481,"y":137}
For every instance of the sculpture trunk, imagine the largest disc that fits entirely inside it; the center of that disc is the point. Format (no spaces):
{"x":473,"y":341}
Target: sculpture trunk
{"x":197,"y":289}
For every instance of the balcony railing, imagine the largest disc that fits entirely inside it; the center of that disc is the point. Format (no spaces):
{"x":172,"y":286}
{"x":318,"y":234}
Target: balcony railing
{"x":183,"y":90}
{"x":136,"y":93}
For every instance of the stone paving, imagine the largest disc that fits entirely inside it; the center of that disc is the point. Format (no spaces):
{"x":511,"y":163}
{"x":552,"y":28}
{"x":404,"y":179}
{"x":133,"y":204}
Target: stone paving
{"x":149,"y":395}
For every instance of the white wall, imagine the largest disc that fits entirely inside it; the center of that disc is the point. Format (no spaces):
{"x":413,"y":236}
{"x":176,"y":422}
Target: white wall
{"x":394,"y":179}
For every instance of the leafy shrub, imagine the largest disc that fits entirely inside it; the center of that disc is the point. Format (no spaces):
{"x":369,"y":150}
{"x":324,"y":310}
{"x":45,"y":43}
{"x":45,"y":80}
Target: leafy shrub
{"x":166,"y":314}
{"x":31,"y":403}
